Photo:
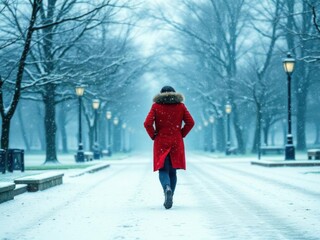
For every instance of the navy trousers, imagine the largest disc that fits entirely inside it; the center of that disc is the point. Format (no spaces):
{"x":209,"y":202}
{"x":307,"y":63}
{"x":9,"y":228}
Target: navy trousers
{"x":168,"y":175}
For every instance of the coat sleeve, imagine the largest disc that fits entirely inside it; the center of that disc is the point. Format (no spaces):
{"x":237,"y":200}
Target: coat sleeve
{"x":148,"y":123}
{"x":188,"y":123}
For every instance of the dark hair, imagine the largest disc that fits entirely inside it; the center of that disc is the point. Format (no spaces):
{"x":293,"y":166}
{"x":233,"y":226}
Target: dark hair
{"x":167,"y":89}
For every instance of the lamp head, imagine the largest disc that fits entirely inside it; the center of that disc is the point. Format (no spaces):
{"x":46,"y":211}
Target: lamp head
{"x":288,"y":63}
{"x":108,"y":115}
{"x":79,"y":90}
{"x":116,"y":121}
{"x":211,"y":119}
{"x":228,"y":108}
{"x":95,"y":104}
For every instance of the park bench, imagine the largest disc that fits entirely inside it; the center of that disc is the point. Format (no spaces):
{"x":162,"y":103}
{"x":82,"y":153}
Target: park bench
{"x":88,"y":156}
{"x":6,"y":191}
{"x":20,"y":188}
{"x":41,"y":181}
{"x":232,"y":150}
{"x":105,"y":153}
{"x":314,"y":153}
{"x":275,"y":149}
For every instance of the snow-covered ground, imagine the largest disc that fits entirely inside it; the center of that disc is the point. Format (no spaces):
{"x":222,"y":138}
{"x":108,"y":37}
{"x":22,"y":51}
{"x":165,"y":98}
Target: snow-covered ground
{"x":215,"y":199}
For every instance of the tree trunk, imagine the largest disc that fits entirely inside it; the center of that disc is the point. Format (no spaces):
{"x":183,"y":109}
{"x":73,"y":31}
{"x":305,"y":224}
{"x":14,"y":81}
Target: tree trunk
{"x":301,"y":76}
{"x":301,"y":94}
{"x":257,"y":133}
{"x":273,"y":136}
{"x":40,"y":129}
{"x":50,"y":124}
{"x":49,"y":88}
{"x":238,"y":131}
{"x":23,"y":130}
{"x":212,"y":147}
{"x":266,"y":134}
{"x":220,"y":135}
{"x":317,"y":139}
{"x":62,"y":127}
{"x":102,"y":132}
{"x":5,"y":130}
{"x":301,"y":120}
{"x":91,"y":137}
{"x":117,"y":138}
{"x":206,"y":138}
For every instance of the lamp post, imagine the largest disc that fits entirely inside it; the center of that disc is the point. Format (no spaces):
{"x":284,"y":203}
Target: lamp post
{"x":206,"y":136}
{"x":228,"y":109}
{"x":116,"y":142}
{"x":211,"y":120}
{"x":288,"y":65}
{"x":96,"y":150}
{"x":130,"y":131}
{"x":80,"y":153}
{"x":109,"y":116}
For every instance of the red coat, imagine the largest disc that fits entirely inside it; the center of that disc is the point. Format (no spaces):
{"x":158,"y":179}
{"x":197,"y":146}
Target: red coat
{"x":167,"y":113}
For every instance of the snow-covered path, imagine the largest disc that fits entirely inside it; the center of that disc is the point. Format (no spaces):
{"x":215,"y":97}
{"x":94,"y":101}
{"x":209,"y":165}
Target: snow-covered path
{"x":215,"y":199}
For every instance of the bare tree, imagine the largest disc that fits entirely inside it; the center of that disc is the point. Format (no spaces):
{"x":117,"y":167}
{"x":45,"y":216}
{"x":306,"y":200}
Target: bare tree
{"x":45,"y":69}
{"x":7,"y":110}
{"x":261,"y":85}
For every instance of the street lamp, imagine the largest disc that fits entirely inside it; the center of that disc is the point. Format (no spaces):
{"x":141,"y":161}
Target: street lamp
{"x":116,"y":121}
{"x":211,"y":120}
{"x":228,"y":109}
{"x":80,"y":153}
{"x":96,"y":150}
{"x":116,"y":137}
{"x":109,"y":116}
{"x":288,"y":65}
{"x":206,"y":136}
{"x":130,"y":132}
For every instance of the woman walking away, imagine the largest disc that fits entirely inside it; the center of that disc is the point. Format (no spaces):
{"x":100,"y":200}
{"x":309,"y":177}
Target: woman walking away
{"x":168,"y":112}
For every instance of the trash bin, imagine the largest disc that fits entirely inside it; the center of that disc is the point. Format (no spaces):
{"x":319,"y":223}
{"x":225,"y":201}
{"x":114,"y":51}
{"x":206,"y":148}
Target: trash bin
{"x":96,"y":151}
{"x":2,"y":161}
{"x":15,"y":159}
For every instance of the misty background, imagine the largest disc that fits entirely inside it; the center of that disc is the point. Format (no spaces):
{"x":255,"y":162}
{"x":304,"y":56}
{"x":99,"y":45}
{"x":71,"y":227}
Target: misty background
{"x":211,"y":51}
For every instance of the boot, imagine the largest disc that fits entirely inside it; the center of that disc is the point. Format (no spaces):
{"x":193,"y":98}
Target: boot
{"x":168,"y":197}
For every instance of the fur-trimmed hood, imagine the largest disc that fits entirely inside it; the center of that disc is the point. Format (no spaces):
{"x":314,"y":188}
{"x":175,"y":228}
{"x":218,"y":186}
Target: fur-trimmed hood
{"x":168,"y":98}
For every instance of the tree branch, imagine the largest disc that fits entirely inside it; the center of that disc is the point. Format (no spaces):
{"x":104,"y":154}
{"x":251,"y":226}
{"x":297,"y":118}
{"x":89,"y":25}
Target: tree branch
{"x":71,"y":19}
{"x":314,"y":18}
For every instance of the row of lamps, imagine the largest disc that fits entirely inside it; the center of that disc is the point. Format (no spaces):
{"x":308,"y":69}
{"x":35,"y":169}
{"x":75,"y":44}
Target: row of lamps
{"x":95,"y":106}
